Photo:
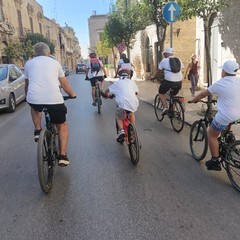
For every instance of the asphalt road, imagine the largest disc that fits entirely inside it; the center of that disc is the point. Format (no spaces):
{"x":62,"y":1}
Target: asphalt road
{"x":101,"y":195}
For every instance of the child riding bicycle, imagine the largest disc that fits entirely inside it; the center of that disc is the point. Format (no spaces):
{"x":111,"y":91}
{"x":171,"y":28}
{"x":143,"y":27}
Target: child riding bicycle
{"x":125,"y":91}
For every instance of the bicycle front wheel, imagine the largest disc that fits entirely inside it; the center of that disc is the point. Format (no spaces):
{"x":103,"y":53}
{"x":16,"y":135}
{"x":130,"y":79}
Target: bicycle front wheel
{"x":99,"y":100}
{"x":177,"y":116}
{"x":198,"y":140}
{"x":134,"y":145}
{"x":158,"y":108}
{"x":45,"y":171}
{"x":233,"y":164}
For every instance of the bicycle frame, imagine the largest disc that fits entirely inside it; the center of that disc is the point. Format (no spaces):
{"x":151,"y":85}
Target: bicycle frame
{"x":126,"y":123}
{"x":53,"y":131}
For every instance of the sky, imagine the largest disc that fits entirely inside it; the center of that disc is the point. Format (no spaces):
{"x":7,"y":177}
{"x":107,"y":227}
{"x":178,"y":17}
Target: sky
{"x":75,"y":14}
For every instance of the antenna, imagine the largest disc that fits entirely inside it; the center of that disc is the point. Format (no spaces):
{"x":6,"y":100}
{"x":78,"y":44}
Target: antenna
{"x":55,"y":10}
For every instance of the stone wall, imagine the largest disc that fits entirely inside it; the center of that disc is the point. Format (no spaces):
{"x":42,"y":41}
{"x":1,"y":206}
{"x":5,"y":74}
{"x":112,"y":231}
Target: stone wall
{"x":230,"y":27}
{"x":183,"y":42}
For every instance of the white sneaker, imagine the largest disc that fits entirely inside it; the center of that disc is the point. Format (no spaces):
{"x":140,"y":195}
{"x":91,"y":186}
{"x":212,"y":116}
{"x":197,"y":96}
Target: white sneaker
{"x":165,"y":110}
{"x":121,"y":135}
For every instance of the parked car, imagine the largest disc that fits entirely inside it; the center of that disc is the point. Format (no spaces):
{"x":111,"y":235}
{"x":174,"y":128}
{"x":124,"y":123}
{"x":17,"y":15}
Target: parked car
{"x":80,"y":68}
{"x":65,"y":70}
{"x":12,"y":87}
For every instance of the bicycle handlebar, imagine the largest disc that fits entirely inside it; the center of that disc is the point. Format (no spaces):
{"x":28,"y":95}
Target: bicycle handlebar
{"x":68,"y":97}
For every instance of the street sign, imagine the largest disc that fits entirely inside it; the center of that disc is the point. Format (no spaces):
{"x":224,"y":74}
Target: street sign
{"x":121,"y":47}
{"x":171,"y":12}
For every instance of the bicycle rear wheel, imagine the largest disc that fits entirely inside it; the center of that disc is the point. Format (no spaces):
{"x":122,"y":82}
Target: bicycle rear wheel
{"x":99,"y":100}
{"x":158,"y":108}
{"x":45,"y":170}
{"x":177,"y":116}
{"x":198,"y":140}
{"x":232,"y":163}
{"x":134,"y":145}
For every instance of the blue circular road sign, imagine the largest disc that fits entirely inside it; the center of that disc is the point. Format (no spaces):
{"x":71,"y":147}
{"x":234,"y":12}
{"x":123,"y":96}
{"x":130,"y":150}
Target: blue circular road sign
{"x":171,"y":12}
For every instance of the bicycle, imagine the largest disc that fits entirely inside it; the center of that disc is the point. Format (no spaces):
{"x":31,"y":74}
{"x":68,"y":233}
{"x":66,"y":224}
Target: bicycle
{"x":47,"y":153}
{"x":229,"y":147}
{"x":98,"y":97}
{"x":175,"y":110}
{"x":131,"y":138}
{"x":198,"y":133}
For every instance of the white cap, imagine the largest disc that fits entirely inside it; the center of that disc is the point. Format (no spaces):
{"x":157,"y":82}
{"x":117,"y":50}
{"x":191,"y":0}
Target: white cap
{"x":168,"y":50}
{"x":230,"y":67}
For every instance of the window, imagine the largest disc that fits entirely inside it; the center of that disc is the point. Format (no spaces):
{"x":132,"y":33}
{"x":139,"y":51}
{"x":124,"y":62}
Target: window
{"x":40,"y":28}
{"x":20,"y":23}
{"x":31,"y":24}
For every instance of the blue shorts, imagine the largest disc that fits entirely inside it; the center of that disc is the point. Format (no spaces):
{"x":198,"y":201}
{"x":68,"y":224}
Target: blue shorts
{"x":217,"y":126}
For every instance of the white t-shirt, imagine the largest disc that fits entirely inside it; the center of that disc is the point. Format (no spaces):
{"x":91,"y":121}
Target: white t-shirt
{"x":42,"y":73}
{"x":228,"y":102}
{"x":170,"y":76}
{"x":125,"y":94}
{"x":94,"y":74}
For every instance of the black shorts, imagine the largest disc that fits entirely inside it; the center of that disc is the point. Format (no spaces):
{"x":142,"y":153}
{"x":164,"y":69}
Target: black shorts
{"x":95,"y":79}
{"x":57,"y":112}
{"x":167,"y":85}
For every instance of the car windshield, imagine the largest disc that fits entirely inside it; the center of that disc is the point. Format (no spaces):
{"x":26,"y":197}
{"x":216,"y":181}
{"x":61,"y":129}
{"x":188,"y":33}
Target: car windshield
{"x":3,"y":73}
{"x":80,"y":65}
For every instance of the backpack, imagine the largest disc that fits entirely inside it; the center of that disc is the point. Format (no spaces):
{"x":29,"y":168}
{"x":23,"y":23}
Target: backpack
{"x":95,"y":65}
{"x":175,"y":64}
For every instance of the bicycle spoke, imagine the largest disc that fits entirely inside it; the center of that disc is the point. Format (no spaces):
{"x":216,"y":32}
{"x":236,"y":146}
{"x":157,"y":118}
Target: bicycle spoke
{"x":233,"y":164}
{"x":158,"y":108}
{"x":177,"y":116}
{"x":134,"y":146}
{"x":45,"y":171}
{"x":198,"y":140}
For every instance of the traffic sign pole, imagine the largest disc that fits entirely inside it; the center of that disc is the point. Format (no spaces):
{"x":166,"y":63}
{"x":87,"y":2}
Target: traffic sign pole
{"x":170,"y":14}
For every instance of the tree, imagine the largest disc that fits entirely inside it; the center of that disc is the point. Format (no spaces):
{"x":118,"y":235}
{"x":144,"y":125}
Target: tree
{"x":123,"y":24}
{"x":15,"y":52}
{"x":36,"y":37}
{"x":156,"y":16}
{"x":206,"y":10}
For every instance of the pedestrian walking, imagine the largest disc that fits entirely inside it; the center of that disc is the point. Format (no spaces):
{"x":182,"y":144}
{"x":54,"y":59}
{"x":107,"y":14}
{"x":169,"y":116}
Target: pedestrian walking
{"x":192,"y":73}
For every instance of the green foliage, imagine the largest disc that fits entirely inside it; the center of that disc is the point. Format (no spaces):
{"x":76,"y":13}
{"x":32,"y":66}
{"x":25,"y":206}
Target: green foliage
{"x":15,"y":52}
{"x":22,"y":51}
{"x":103,"y":50}
{"x":126,"y":22}
{"x":202,"y":9}
{"x":36,"y":37}
{"x":156,"y":15}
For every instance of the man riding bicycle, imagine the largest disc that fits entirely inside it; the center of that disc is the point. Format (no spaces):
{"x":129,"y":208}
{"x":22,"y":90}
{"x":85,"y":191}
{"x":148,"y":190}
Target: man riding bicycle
{"x":43,"y":74}
{"x":172,"y":79}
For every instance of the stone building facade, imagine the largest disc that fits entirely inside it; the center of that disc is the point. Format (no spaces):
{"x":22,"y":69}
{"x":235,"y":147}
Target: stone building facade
{"x":145,"y":53}
{"x":20,"y":17}
{"x":225,"y":39}
{"x":96,"y":25}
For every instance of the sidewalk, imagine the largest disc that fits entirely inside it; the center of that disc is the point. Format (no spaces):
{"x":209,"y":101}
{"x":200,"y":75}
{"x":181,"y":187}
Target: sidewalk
{"x":193,"y":112}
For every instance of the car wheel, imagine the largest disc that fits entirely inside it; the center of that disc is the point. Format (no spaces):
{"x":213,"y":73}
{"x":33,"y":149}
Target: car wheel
{"x":11,"y":104}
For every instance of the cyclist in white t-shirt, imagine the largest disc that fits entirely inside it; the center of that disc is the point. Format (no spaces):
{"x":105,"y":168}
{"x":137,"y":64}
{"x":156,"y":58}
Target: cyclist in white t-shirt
{"x":95,"y":75}
{"x":125,"y":91}
{"x":172,"y":80}
{"x":43,"y":78}
{"x":228,"y":91}
{"x":124,"y":63}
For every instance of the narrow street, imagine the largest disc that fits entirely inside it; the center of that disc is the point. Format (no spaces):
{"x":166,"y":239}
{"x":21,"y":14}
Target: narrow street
{"x":101,"y":195}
